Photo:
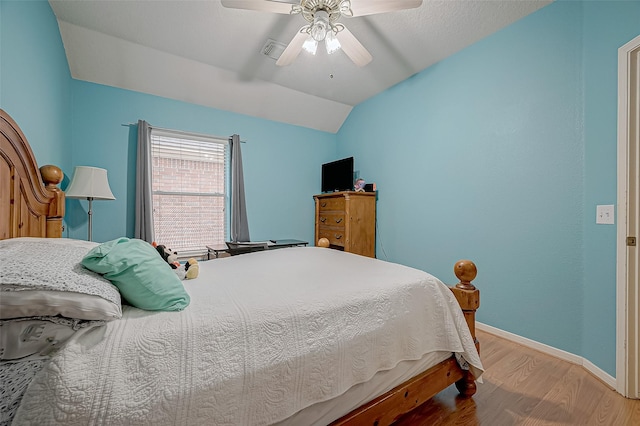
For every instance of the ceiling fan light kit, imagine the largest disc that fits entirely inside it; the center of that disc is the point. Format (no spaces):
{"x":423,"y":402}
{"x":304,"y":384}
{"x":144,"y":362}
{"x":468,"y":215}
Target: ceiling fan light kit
{"x":322,"y":16}
{"x":331,"y":43}
{"x":320,"y":26}
{"x":311,"y":46}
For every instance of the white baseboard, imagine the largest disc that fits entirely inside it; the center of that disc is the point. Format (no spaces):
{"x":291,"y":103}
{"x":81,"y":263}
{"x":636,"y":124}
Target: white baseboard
{"x":550,"y":350}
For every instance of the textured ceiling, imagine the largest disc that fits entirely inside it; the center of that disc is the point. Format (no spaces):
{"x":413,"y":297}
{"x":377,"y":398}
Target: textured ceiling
{"x":203,"y":53}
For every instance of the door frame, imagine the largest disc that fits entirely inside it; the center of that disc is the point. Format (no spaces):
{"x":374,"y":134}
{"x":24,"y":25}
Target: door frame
{"x":628,"y":308}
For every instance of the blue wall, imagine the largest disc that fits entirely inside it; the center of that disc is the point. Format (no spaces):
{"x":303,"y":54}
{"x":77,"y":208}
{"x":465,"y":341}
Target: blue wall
{"x":607,"y":26}
{"x":500,"y":154}
{"x":35,"y":80}
{"x":281,"y":162}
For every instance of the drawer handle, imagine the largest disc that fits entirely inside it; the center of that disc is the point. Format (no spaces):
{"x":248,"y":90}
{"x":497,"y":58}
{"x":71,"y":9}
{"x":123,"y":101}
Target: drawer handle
{"x":338,"y":220}
{"x":324,"y":204}
{"x":338,"y":236}
{"x":323,"y":219}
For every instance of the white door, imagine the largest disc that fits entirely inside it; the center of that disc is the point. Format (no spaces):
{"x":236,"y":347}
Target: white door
{"x":628,"y":260}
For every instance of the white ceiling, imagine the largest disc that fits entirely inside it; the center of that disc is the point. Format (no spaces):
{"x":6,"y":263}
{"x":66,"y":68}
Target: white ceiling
{"x":203,"y":53}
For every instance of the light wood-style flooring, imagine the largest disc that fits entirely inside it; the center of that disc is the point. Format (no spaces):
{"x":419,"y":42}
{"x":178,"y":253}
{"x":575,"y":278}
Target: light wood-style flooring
{"x":525,"y":387}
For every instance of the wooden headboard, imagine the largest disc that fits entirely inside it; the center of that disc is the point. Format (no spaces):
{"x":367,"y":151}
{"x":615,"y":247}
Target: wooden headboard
{"x":28,"y":207}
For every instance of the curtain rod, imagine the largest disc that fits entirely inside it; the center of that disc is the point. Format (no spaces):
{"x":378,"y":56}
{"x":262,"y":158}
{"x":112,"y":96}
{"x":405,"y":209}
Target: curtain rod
{"x":202,"y":135}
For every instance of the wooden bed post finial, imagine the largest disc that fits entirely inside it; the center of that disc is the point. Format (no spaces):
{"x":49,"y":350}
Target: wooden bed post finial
{"x":51,"y":175}
{"x":323,"y":242}
{"x":466,"y":272}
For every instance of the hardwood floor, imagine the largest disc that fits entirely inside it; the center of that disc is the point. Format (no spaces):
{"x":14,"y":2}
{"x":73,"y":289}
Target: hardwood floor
{"x":526,"y":387}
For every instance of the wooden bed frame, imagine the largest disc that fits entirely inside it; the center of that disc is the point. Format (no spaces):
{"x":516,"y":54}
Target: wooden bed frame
{"x":28,"y":208}
{"x":36,"y":209}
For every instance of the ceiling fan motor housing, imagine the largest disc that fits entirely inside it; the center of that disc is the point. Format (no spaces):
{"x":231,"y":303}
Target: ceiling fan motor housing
{"x":333,"y":8}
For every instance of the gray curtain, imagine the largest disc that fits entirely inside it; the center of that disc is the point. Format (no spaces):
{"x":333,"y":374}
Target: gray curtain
{"x":239,"y":223}
{"x":144,"y":197}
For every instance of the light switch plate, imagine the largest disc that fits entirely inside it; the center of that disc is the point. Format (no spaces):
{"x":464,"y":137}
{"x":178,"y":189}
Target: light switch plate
{"x":605,"y":214}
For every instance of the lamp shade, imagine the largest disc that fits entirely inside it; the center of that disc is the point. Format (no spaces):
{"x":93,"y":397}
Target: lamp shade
{"x":89,"y":182}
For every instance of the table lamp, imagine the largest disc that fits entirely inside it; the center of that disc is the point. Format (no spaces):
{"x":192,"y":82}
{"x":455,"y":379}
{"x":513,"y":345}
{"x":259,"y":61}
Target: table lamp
{"x":90,"y":183}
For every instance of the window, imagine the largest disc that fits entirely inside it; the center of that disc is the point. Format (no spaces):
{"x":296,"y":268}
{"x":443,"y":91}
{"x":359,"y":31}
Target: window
{"x":189,"y":185}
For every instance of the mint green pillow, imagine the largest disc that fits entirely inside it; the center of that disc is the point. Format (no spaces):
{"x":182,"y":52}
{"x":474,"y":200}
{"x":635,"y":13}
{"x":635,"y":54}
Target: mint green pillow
{"x":144,"y":279}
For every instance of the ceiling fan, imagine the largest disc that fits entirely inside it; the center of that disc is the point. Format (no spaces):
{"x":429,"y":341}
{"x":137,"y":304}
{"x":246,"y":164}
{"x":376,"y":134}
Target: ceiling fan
{"x":322,"y":17}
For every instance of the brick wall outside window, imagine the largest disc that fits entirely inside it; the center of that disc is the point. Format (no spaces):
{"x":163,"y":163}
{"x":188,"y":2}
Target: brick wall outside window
{"x":192,"y":214}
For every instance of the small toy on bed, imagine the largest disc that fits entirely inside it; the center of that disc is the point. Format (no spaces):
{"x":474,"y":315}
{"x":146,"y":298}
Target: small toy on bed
{"x":192,"y":268}
{"x":171,"y":257}
{"x":187,"y":271}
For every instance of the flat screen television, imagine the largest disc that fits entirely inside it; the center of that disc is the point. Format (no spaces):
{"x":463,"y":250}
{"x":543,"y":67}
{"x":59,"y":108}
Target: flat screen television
{"x":338,"y":175}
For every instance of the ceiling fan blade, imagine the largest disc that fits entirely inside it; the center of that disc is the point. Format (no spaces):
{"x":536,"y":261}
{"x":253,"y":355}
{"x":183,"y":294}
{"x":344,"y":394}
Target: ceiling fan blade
{"x":353,"y":48}
{"x":370,"y":7}
{"x":259,"y":5}
{"x":292,"y":51}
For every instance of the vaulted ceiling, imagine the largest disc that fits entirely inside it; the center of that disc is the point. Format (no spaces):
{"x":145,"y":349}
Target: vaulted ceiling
{"x":203,"y":53}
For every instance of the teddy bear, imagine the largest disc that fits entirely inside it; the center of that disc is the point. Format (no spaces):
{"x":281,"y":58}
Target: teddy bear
{"x":192,"y":268}
{"x":188,"y":271}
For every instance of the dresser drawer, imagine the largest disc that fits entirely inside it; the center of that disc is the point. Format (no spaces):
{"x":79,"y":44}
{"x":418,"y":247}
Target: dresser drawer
{"x":336,"y":237}
{"x":331,"y":204}
{"x":331,"y":218}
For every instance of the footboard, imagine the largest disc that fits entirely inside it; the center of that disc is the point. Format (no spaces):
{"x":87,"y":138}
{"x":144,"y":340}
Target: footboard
{"x":388,"y":407}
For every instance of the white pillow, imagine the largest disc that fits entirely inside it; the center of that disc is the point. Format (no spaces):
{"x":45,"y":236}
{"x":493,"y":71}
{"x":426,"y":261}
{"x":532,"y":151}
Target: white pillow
{"x":44,"y":277}
{"x":49,"y":303}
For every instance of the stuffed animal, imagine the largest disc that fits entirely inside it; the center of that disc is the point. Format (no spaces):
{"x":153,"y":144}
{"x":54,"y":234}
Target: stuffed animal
{"x":188,"y":271}
{"x":192,"y":268}
{"x":171,"y":257}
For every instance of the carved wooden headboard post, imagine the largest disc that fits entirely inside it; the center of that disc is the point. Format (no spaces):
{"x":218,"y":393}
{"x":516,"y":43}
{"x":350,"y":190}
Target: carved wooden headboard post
{"x":28,"y":208}
{"x":52,"y":176}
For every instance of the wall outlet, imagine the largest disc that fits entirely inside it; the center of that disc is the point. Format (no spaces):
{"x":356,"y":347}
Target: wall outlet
{"x":605,"y":214}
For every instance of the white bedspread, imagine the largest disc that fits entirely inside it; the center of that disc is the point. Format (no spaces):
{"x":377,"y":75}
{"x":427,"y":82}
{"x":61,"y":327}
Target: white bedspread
{"x":266,"y":335}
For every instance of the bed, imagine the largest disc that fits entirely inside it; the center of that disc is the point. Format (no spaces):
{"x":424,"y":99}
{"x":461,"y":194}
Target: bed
{"x":263,"y":338}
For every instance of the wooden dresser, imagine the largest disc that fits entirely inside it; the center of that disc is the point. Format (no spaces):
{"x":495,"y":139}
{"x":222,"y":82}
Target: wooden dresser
{"x":348,"y":220}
